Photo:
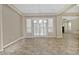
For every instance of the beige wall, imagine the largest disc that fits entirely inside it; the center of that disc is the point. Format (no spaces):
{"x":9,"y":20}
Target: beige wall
{"x":66,"y":26}
{"x":12,"y":25}
{"x":75,"y":25}
{"x":0,"y":25}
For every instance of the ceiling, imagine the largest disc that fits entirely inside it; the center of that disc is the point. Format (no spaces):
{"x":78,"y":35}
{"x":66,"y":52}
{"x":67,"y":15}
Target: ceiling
{"x":39,"y":8}
{"x":75,"y":9}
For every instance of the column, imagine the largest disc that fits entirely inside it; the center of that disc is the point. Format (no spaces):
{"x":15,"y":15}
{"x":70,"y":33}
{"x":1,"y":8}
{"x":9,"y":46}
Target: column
{"x":59,"y":26}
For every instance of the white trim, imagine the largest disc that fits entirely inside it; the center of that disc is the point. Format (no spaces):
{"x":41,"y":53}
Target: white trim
{"x":71,"y":14}
{"x":1,"y":30}
{"x":38,"y":14}
{"x":39,"y":37}
{"x":24,"y":26}
{"x":13,"y":42}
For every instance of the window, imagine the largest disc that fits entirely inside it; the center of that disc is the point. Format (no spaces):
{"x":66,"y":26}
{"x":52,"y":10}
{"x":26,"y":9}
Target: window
{"x":39,"y":27}
{"x":28,"y":25}
{"x":50,"y":25}
{"x":35,"y":27}
{"x":45,"y":27}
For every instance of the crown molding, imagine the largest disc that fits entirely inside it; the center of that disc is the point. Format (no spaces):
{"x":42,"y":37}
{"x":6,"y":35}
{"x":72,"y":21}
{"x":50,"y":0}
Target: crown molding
{"x":15,"y":9}
{"x":39,"y":14}
{"x":71,"y":14}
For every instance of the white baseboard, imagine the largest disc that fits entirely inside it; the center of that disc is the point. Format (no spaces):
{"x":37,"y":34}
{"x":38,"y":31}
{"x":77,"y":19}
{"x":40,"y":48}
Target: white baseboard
{"x":13,"y":42}
{"x":39,"y":36}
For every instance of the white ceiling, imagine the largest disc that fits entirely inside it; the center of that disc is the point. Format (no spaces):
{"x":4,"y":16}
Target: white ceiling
{"x":39,"y":8}
{"x":75,"y":9}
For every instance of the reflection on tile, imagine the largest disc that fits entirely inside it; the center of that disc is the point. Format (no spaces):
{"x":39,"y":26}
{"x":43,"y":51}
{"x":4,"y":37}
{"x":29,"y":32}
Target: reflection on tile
{"x":45,"y":46}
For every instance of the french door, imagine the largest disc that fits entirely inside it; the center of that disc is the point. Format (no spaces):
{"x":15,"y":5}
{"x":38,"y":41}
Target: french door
{"x":40,"y":27}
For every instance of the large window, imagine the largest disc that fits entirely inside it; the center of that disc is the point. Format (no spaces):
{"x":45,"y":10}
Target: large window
{"x":39,"y":27}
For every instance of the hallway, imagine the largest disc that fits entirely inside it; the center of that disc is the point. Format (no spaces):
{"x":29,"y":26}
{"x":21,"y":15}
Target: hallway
{"x":45,"y":46}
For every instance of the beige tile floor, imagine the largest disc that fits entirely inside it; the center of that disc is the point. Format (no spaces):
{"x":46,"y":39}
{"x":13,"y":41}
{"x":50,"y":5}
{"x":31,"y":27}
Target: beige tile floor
{"x":45,"y":46}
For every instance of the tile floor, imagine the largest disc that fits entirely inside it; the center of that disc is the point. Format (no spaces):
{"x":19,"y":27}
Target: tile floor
{"x":69,"y":45}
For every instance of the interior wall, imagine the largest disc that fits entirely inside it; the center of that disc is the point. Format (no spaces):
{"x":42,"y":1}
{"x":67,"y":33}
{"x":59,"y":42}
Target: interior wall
{"x":12,"y":25}
{"x":66,"y":26}
{"x":75,"y":25}
{"x":0,"y":25}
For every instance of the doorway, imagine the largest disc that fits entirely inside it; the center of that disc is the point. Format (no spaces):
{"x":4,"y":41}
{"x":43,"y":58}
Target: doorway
{"x":66,"y":27}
